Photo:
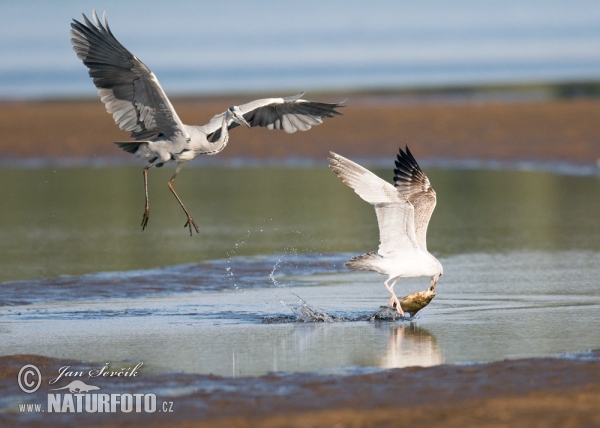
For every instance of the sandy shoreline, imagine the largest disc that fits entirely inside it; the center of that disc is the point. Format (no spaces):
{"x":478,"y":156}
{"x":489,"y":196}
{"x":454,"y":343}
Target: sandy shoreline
{"x":537,"y":392}
{"x":372,"y":126}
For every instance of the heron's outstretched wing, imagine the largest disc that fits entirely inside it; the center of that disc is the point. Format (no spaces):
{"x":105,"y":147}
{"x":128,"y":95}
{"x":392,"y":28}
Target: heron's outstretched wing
{"x":395,"y":214}
{"x":129,"y":90}
{"x":290,"y":114}
{"x":414,"y":185}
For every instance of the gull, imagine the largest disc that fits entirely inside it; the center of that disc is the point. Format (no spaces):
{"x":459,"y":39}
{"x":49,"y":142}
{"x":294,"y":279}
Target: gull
{"x":403,"y":213}
{"x":138,"y":104}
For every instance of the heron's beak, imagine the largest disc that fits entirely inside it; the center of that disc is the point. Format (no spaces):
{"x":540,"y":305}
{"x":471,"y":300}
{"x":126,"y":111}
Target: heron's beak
{"x":242,"y":120}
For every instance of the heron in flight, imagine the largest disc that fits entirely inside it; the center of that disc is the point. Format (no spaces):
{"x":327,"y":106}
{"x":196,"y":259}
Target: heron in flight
{"x":137,"y":102}
{"x":403,"y":213}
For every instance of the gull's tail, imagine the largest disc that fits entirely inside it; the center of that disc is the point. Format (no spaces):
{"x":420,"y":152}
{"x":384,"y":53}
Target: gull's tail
{"x":369,"y":261}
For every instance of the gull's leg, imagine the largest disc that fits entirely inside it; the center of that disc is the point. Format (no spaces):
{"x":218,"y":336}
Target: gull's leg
{"x":190,"y":221}
{"x":393,"y":297}
{"x":147,"y":206}
{"x":392,"y":301}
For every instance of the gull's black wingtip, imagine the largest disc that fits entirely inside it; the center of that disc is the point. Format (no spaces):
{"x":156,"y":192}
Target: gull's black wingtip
{"x":407,"y":167}
{"x":406,"y":158}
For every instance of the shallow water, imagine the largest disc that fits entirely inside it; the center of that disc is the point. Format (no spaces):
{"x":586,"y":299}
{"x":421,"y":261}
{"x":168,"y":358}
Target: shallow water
{"x":520,"y":252}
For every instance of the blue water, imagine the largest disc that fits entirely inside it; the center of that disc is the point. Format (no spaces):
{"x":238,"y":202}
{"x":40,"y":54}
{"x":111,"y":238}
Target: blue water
{"x":264,"y":46}
{"x":239,"y":316}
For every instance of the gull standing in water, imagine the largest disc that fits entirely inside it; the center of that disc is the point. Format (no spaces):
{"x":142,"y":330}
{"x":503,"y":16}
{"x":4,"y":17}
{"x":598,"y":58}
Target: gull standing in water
{"x":137,"y":102}
{"x":403,"y":213}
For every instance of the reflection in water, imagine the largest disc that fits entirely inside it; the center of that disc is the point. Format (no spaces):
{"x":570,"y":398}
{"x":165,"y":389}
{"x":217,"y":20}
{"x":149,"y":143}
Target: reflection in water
{"x":410,"y":345}
{"x":349,"y":344}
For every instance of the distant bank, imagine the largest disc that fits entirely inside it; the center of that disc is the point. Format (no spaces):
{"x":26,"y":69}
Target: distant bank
{"x":534,"y":123}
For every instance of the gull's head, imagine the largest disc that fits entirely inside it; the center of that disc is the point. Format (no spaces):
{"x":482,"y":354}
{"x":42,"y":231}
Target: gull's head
{"x":436,"y":277}
{"x":234,"y":113}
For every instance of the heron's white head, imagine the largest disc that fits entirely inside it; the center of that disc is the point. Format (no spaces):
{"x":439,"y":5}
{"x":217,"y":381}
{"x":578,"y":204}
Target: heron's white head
{"x":234,"y":113}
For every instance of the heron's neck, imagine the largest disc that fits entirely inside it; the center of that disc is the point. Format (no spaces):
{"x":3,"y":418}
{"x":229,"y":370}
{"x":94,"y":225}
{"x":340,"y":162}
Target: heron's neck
{"x":221,"y":143}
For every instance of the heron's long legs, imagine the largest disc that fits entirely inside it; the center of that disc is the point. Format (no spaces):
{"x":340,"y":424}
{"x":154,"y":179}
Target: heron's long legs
{"x":393,"y":297}
{"x":147,"y":206}
{"x":190,"y":221}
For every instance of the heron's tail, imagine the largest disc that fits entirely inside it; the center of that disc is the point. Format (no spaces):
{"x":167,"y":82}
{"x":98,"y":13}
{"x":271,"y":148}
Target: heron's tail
{"x":367,"y":261}
{"x":129,"y":146}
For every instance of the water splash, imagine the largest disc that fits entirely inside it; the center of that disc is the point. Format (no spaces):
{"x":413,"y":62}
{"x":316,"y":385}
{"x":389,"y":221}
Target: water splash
{"x":385,"y":313}
{"x":272,"y":274}
{"x":302,"y":310}
{"x":307,"y":313}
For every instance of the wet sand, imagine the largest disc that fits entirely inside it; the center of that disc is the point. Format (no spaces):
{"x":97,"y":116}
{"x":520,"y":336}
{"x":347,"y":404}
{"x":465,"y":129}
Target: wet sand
{"x":546,"y":392}
{"x":533,"y":392}
{"x":372,"y":126}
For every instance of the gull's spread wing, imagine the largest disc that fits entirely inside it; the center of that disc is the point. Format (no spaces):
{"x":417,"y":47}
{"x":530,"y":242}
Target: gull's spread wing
{"x":395,"y":214}
{"x":129,"y":90}
{"x":414,"y":185}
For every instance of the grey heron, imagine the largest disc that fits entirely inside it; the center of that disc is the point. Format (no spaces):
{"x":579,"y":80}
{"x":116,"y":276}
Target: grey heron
{"x":403,"y":213}
{"x":137,"y":102}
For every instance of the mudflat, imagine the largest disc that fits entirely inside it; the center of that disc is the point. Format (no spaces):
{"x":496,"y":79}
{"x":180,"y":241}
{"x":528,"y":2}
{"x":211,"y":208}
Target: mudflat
{"x":537,"y":392}
{"x":372,"y":126}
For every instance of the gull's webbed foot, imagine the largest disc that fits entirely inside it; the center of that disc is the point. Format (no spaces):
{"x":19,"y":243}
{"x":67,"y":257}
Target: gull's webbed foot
{"x":399,"y":308}
{"x":394,"y":303}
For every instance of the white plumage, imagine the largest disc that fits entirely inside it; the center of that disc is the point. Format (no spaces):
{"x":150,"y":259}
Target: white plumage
{"x":403,"y":213}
